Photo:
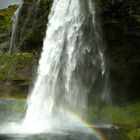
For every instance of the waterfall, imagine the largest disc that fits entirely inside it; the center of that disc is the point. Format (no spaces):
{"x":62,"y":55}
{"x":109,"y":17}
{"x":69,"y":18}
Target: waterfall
{"x":15,"y":37}
{"x":71,"y":59}
{"x":14,"y":27}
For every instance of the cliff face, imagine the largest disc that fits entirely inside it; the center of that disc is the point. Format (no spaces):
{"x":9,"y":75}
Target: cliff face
{"x":5,"y":27}
{"x":120,"y":21}
{"x":16,"y":69}
{"x":16,"y":74}
{"x":32,"y":24}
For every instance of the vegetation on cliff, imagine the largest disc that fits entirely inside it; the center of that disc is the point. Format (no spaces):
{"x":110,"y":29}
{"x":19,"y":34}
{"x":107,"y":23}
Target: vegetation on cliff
{"x":6,"y":18}
{"x":32,"y":25}
{"x":16,"y":73}
{"x":16,"y":69}
{"x":12,"y":63}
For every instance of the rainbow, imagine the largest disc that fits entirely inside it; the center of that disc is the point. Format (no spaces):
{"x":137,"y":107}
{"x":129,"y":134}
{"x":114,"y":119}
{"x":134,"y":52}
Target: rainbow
{"x":90,"y":128}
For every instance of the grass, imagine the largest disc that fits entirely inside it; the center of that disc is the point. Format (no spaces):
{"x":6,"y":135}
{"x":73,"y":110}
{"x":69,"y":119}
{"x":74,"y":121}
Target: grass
{"x":133,"y":135}
{"x":127,"y":116}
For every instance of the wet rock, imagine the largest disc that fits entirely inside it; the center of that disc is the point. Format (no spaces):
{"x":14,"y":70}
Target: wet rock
{"x":121,"y":27}
{"x":16,"y":74}
{"x":120,"y":21}
{"x":5,"y":27}
{"x":32,"y":25}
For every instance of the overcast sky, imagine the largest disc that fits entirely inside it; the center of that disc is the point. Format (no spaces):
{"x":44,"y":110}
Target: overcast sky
{"x":6,"y":3}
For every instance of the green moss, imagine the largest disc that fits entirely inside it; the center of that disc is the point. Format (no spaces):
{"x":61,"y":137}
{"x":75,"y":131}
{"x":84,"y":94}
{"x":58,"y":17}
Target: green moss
{"x":9,"y":63}
{"x":128,"y":115}
{"x":134,"y":111}
{"x":133,"y":135}
{"x":5,"y":17}
{"x":116,"y":115}
{"x":91,"y":113}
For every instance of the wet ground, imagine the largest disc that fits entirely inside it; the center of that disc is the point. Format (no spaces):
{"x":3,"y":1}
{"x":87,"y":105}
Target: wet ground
{"x":52,"y":136}
{"x":13,"y":110}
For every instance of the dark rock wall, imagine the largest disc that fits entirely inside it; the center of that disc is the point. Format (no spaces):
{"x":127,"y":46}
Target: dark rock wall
{"x":120,"y":21}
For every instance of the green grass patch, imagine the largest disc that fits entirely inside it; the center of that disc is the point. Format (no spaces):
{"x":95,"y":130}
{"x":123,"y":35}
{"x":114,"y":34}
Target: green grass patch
{"x":128,"y":115}
{"x":133,"y":135}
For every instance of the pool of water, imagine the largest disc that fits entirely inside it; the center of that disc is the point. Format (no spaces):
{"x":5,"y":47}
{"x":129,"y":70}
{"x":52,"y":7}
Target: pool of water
{"x":13,"y":110}
{"x":72,"y":135}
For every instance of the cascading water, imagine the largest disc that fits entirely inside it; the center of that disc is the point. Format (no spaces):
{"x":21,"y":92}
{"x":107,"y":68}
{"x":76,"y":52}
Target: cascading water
{"x":70,"y":61}
{"x":16,"y":35}
{"x":14,"y":27}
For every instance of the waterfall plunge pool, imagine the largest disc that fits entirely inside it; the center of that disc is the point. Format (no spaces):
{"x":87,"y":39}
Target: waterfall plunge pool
{"x":13,"y":110}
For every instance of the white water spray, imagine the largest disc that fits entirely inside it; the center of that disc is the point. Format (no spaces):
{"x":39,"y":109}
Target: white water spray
{"x":68,"y":66}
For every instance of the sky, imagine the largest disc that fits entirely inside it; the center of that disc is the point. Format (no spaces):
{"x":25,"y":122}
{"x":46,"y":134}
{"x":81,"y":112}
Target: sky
{"x":6,"y":3}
